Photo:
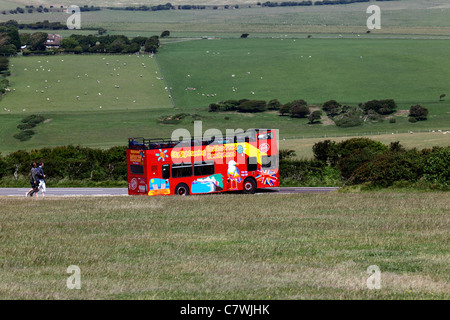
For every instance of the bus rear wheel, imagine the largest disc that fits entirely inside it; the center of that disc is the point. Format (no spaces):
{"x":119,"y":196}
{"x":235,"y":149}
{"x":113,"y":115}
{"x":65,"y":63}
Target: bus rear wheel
{"x":182,"y":189}
{"x":249,"y":186}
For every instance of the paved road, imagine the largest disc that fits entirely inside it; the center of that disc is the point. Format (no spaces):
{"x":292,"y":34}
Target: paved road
{"x":68,"y":192}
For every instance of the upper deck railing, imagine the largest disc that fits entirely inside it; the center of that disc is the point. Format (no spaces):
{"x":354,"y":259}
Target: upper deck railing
{"x":161,"y":143}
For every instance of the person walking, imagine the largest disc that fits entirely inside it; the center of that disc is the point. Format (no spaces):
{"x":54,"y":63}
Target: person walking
{"x":34,"y":181}
{"x":41,"y":177}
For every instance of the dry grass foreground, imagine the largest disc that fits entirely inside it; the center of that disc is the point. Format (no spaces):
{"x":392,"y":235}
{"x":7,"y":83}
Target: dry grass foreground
{"x":309,"y":246}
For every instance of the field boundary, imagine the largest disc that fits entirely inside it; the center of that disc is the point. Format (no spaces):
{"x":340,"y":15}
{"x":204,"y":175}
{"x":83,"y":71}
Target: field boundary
{"x":165,"y":81}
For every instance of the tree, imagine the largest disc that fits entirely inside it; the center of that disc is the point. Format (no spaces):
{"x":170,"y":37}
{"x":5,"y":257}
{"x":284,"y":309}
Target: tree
{"x":139,"y":40}
{"x":165,"y":33}
{"x":4,"y":64}
{"x":299,"y":109}
{"x":284,"y":109}
{"x":118,"y":45}
{"x":274,"y":105}
{"x":69,"y":44}
{"x":331,"y":108}
{"x":326,"y":151}
{"x":214,"y":107}
{"x":252,"y":106}
{"x":313,"y":117}
{"x":14,"y":38}
{"x":152,"y":44}
{"x":101,"y":31}
{"x":37,"y":41}
{"x":386,"y":106}
{"x":418,"y":112}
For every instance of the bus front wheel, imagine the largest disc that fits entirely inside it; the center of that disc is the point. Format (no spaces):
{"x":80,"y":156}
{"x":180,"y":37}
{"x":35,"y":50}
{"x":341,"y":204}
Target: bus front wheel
{"x":182,"y":189}
{"x":249,"y":186}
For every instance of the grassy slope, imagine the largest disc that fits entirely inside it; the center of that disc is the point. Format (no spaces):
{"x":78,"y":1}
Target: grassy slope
{"x":62,"y":78}
{"x":317,"y":70}
{"x":277,"y":246}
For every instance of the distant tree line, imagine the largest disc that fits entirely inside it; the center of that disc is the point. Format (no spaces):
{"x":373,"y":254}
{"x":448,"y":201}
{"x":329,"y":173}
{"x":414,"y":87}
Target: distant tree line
{"x":109,"y":44}
{"x":342,"y":115}
{"x":42,"y":9}
{"x":271,"y":4}
{"x":374,"y":110}
{"x":41,"y":25}
{"x":166,"y":6}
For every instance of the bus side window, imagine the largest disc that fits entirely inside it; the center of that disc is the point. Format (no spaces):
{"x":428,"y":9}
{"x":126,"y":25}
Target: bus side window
{"x":265,"y":136}
{"x":204,"y":168}
{"x":181,"y":170}
{"x":166,"y":171}
{"x":136,"y":169}
{"x":252,"y":164}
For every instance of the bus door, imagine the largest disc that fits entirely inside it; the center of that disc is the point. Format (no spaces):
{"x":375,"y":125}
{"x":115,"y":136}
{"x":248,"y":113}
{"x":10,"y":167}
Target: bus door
{"x":159,"y":176}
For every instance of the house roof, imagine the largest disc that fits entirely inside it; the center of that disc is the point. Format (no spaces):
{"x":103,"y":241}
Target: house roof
{"x":53,"y":40}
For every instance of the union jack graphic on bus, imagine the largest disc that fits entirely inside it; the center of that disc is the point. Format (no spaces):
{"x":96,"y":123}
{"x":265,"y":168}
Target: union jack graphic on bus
{"x":267,"y":177}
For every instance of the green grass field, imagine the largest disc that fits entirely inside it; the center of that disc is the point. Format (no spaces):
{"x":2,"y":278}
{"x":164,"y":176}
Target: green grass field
{"x":316,"y":70}
{"x":106,"y":82}
{"x":306,"y":246}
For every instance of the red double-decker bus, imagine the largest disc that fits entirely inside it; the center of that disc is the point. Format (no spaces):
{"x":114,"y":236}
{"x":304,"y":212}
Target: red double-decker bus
{"x":244,"y":162}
